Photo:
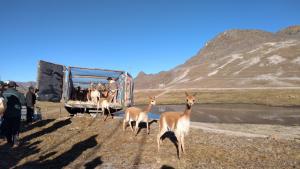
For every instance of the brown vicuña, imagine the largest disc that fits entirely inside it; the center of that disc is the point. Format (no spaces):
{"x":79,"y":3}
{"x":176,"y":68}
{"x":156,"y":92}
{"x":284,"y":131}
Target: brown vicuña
{"x":104,"y":104}
{"x":138,"y":115}
{"x":176,"y":122}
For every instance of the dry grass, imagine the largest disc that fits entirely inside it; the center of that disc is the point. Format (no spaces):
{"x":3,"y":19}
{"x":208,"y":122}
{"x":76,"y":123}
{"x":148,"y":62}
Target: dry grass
{"x":275,"y":97}
{"x":84,"y":142}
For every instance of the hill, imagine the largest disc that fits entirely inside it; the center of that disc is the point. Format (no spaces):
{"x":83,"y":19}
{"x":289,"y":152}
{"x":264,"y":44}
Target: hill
{"x":236,"y":59}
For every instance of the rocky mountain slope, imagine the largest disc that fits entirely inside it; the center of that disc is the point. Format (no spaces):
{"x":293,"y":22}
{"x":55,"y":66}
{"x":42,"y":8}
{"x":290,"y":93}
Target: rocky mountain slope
{"x":236,"y":59}
{"x":23,"y":86}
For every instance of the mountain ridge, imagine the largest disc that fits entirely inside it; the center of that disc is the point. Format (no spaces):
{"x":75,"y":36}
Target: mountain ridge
{"x":257,"y":57}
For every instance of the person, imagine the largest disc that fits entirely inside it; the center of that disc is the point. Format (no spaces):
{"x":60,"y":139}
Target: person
{"x":112,"y":88}
{"x":12,"y":115}
{"x":30,"y":102}
{"x":2,"y":84}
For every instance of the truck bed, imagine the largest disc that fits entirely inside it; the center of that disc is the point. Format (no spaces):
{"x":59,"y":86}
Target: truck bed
{"x":89,"y":104}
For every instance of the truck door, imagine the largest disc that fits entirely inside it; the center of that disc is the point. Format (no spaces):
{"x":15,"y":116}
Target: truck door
{"x":50,"y":81}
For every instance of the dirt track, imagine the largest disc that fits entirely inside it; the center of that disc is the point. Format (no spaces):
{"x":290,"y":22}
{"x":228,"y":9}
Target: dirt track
{"x":84,"y":142}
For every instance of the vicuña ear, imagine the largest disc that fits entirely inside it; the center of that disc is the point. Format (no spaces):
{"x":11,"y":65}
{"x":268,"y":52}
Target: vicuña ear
{"x":194,"y":94}
{"x":186,"y":94}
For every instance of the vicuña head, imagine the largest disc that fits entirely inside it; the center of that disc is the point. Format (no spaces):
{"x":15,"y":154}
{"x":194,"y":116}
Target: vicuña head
{"x":190,"y":99}
{"x":152,"y":100}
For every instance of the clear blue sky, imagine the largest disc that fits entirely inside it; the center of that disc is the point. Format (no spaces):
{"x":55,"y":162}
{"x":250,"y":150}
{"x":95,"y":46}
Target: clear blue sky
{"x":137,"y":35}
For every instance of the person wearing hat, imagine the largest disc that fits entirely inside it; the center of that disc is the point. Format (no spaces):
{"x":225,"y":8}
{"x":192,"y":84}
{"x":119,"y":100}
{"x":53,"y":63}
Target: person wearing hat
{"x":12,"y":116}
{"x":30,"y":102}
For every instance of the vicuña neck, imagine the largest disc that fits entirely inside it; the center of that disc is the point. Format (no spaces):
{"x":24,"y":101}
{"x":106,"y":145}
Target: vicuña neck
{"x":188,"y":110}
{"x":148,"y":108}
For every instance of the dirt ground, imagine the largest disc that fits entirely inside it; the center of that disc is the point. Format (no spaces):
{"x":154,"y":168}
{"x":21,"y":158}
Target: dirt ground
{"x":85,"y":142}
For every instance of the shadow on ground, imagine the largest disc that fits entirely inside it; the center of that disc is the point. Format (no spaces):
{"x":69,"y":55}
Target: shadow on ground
{"x":94,"y":163}
{"x":67,"y":157}
{"x":166,"y":167}
{"x":11,"y":156}
{"x":37,"y":124}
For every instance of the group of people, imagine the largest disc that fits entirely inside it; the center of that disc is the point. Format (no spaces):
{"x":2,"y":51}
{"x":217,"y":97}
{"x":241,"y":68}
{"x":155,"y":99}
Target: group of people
{"x":13,"y":100}
{"x":11,"y":117}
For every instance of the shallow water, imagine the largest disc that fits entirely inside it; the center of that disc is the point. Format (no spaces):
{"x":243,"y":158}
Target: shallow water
{"x":235,"y":113}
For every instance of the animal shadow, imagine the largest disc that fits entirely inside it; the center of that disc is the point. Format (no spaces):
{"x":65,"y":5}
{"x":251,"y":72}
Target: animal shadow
{"x":171,"y":135}
{"x":144,"y":125}
{"x":166,"y":167}
{"x":94,"y":163}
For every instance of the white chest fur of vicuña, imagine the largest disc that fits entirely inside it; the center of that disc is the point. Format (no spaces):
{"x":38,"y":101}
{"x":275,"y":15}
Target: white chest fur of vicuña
{"x":183,"y":126}
{"x":142,"y":117}
{"x":104,"y":103}
{"x":95,"y":95}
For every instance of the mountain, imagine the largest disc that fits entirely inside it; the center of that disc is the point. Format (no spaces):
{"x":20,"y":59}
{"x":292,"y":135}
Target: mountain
{"x":23,"y":86}
{"x":236,"y":59}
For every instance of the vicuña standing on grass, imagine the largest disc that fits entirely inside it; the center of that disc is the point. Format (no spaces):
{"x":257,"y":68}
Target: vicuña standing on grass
{"x":138,"y":115}
{"x":177,"y":122}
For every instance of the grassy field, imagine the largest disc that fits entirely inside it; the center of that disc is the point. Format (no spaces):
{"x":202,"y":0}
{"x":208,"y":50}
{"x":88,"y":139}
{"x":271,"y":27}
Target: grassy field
{"x":272,"y":97}
{"x":58,"y":141}
{"x":275,"y":97}
{"x":85,"y":142}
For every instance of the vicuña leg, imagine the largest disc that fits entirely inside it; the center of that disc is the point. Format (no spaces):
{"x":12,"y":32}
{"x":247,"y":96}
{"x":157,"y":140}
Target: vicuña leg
{"x":109,"y":112}
{"x":131,"y":126}
{"x":137,"y":126}
{"x":178,"y":137}
{"x":158,"y":141}
{"x":147,"y":123}
{"x":124,"y":124}
{"x":182,"y":143}
{"x":103,"y":110}
{"x":159,"y":135}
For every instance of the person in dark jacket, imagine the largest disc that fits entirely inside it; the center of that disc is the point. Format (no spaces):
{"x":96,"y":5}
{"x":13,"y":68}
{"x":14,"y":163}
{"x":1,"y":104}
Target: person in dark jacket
{"x":12,"y":116}
{"x":30,"y":102}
